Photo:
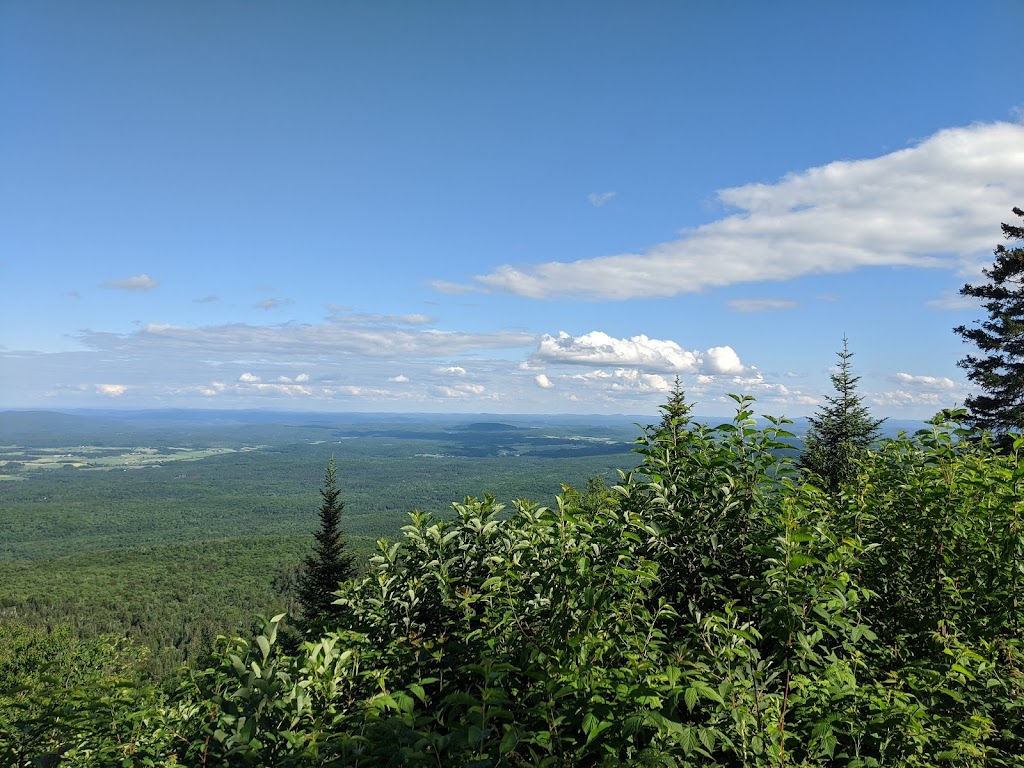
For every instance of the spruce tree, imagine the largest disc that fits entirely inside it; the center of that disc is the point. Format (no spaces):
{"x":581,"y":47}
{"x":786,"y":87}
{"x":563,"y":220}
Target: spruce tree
{"x":675,"y":413}
{"x":330,"y":563}
{"x":841,"y":431}
{"x":1000,"y":371}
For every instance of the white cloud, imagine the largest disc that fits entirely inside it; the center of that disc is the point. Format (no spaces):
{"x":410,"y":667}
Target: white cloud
{"x":783,"y":399}
{"x":543,"y":381}
{"x":341,"y":314}
{"x":458,"y":391}
{"x":362,"y":391}
{"x":287,"y":342}
{"x":286,"y":389}
{"x":111,"y":390}
{"x":902,"y":399}
{"x":598,"y":348}
{"x":930,"y":383}
{"x":626,"y":380}
{"x":918,"y":390}
{"x":720,"y":360}
{"x":242,"y":364}
{"x":924,"y":206}
{"x":597,"y":199}
{"x":761,"y":305}
{"x":141,"y":282}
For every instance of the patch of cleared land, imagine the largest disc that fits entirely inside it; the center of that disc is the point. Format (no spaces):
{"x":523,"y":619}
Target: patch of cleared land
{"x":17,"y":461}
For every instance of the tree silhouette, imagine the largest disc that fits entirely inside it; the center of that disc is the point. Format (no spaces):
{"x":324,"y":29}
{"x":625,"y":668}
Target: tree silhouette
{"x":1000,"y":371}
{"x":330,"y":563}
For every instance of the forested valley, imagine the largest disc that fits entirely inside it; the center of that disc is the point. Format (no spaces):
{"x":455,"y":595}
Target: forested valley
{"x":173,"y":528}
{"x":696,"y":595}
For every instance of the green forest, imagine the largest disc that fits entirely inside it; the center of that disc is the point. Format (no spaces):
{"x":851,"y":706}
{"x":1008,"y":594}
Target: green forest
{"x":110,"y":527}
{"x":716,"y":605}
{"x":726,"y":594}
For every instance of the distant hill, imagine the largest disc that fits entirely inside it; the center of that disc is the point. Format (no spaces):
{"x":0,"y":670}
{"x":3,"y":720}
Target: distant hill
{"x":41,"y":427}
{"x":488,"y":426}
{"x":98,"y":426}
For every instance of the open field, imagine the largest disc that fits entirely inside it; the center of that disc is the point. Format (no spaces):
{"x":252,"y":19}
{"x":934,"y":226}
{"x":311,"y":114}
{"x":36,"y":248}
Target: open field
{"x":17,"y":461}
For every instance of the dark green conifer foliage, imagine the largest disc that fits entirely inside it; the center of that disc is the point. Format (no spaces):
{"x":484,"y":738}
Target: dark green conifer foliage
{"x":330,"y":563}
{"x":676,"y":413}
{"x":1000,"y":370}
{"x":841,"y":431}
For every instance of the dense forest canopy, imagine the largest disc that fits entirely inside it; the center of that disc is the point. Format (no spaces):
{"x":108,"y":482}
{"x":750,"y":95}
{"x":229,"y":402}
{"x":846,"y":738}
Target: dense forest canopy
{"x":714,"y":606}
{"x":173,"y":527}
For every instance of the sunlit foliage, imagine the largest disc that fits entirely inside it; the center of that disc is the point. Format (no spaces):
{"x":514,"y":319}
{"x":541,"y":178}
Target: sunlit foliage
{"x":711,"y":608}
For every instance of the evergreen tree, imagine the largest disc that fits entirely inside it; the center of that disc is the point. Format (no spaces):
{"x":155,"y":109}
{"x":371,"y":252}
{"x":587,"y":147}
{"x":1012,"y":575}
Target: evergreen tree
{"x":676,"y":413}
{"x":841,"y":431}
{"x":330,"y":563}
{"x":1000,"y":372}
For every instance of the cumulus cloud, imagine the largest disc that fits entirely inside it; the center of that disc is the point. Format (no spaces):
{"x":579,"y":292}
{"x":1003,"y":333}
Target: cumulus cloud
{"x":597,"y":199}
{"x":761,"y":305}
{"x":598,"y":348}
{"x":543,"y":381}
{"x":458,"y":391}
{"x":141,"y":282}
{"x":452,"y":370}
{"x":626,"y":380}
{"x":399,"y":379}
{"x":919,"y":390}
{"x":930,"y":383}
{"x":924,"y":206}
{"x":111,"y":390}
{"x":902,"y":398}
{"x":249,"y":378}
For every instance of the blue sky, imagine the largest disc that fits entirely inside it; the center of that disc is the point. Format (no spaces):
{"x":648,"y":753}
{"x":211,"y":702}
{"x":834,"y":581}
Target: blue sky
{"x":498,"y":207}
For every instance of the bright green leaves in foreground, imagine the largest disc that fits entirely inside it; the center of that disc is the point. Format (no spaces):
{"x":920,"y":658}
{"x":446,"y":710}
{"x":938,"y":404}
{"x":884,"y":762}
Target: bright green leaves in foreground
{"x":710,"y":609}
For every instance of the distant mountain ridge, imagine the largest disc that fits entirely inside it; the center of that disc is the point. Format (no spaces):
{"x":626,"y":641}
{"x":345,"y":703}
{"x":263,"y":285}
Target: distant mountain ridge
{"x":21,"y":425}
